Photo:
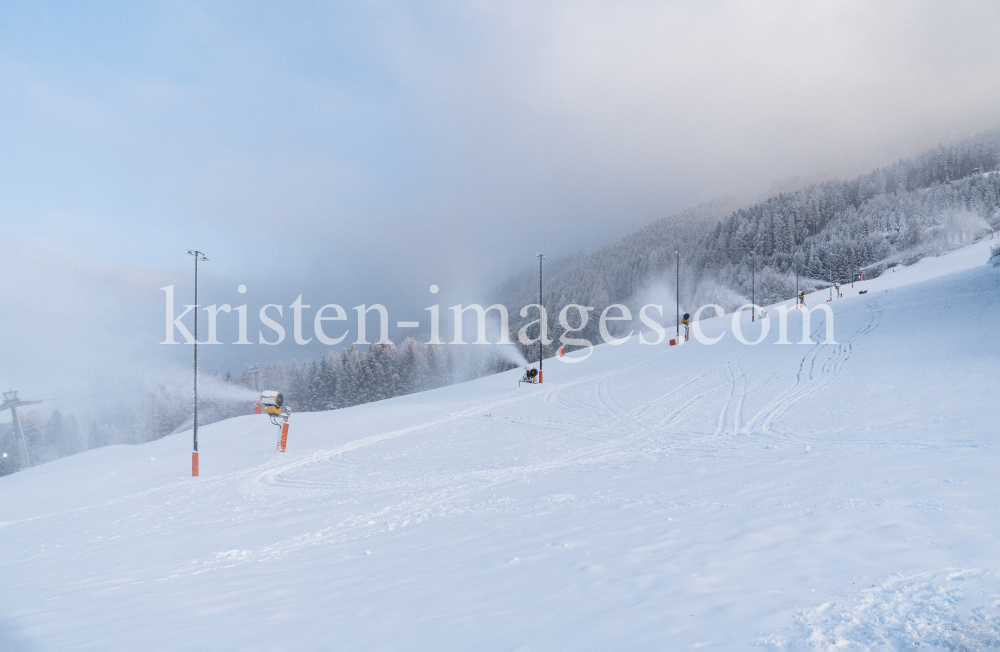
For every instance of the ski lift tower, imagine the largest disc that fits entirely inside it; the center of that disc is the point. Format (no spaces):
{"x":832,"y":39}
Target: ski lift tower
{"x":12,"y":402}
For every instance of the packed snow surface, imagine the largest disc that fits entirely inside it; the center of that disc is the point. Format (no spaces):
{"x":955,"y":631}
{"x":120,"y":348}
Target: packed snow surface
{"x":817,"y":496}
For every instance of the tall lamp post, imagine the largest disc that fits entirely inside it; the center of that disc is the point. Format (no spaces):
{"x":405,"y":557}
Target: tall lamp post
{"x":198,"y":257}
{"x":795,"y":260}
{"x":541,"y":312}
{"x":753,"y":286}
{"x":831,"y":278}
{"x":677,"y":294}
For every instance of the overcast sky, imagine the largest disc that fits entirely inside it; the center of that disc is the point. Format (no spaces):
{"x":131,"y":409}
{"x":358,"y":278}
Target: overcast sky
{"x":361,"y":151}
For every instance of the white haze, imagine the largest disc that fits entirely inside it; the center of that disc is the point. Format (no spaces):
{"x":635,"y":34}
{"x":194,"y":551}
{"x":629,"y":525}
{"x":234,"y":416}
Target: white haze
{"x":962,"y":227}
{"x":510,"y":353}
{"x":359,"y":153}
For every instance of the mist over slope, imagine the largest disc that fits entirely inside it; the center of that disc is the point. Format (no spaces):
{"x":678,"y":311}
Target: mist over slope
{"x":619,"y":269}
{"x":824,"y":233}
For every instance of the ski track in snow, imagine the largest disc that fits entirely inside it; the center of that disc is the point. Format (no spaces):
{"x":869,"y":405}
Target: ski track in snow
{"x":809,"y":379}
{"x":818,"y":367}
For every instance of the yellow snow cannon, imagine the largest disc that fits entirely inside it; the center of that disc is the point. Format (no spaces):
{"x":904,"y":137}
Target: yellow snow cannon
{"x":272,"y":401}
{"x":530,"y":377}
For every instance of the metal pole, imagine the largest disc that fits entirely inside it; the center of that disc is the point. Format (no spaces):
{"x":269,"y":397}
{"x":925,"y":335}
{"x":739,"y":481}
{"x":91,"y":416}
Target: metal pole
{"x":541,"y":313}
{"x":12,"y":402}
{"x":198,"y":257}
{"x":677,"y":293}
{"x":196,"y":352}
{"x":753,"y":286}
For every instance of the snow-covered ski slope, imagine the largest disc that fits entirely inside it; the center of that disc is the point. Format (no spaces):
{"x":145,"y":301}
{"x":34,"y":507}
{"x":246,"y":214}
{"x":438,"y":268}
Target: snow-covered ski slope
{"x":649,"y":498}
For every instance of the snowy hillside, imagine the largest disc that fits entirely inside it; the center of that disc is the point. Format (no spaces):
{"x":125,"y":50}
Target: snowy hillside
{"x":810,"y":237}
{"x":651,"y":497}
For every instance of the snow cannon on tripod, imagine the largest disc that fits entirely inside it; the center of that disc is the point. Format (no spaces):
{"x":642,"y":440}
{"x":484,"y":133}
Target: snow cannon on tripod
{"x":530,"y":377}
{"x":272,"y":402}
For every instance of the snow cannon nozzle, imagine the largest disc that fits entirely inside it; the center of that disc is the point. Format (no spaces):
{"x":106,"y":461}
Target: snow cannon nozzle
{"x":530,"y":376}
{"x":272,"y":401}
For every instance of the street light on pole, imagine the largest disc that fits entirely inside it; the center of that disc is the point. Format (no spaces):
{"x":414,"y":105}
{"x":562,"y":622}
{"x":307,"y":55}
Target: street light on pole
{"x":198,"y":257}
{"x":677,"y":294}
{"x":541,"y":312}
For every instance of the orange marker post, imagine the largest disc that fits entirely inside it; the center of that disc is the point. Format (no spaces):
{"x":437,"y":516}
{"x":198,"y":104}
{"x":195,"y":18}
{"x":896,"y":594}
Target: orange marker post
{"x":283,"y":440}
{"x":194,"y":464}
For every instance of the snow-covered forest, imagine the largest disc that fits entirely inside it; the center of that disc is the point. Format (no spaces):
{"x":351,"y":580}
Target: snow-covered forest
{"x":352,"y":377}
{"x":129,"y":418}
{"x":822,"y":233}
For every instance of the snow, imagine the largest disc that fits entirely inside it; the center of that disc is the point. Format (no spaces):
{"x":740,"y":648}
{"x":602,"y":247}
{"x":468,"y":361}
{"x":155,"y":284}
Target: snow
{"x":739,"y":497}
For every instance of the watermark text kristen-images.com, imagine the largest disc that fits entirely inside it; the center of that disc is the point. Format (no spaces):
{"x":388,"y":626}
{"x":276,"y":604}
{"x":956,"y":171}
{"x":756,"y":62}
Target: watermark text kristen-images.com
{"x":271,"y":316}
